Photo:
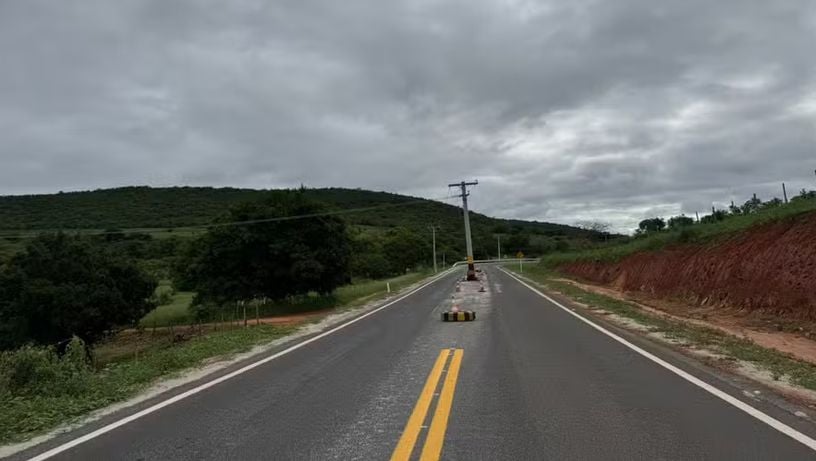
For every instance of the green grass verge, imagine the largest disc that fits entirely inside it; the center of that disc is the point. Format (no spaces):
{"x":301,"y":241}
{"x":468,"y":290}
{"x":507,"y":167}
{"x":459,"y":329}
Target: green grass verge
{"x":697,"y":233}
{"x":132,"y":362}
{"x":26,"y":414}
{"x":777,"y":363}
{"x":177,"y":311}
{"x":363,"y":291}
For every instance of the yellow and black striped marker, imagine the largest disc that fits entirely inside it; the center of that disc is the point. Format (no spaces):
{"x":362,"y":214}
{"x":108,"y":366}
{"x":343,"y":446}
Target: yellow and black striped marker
{"x":461,"y":316}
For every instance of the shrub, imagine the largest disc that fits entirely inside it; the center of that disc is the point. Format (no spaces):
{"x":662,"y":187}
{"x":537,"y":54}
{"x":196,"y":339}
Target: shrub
{"x":37,"y":370}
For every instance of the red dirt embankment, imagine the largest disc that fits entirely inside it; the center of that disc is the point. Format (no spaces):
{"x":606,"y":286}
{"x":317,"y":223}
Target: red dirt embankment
{"x":769,"y":270}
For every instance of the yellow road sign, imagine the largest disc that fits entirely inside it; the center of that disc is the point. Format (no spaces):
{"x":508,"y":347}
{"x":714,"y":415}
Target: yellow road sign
{"x":519,"y":255}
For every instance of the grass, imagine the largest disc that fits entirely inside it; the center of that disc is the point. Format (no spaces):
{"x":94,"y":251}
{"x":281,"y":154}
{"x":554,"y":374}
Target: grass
{"x":363,"y":291}
{"x":25,"y":415}
{"x":135,"y":359}
{"x":777,"y":363}
{"x":697,"y":233}
{"x":177,"y":311}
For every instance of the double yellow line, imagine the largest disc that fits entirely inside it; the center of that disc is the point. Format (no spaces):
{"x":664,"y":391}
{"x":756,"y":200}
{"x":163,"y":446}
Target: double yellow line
{"x":436,"y":434}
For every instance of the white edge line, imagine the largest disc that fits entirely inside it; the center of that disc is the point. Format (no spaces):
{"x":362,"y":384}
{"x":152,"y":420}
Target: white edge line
{"x":119,"y":423}
{"x":765,"y":418}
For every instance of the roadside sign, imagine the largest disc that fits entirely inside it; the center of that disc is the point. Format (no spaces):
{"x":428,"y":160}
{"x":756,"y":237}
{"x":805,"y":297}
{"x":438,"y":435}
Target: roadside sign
{"x":519,"y":255}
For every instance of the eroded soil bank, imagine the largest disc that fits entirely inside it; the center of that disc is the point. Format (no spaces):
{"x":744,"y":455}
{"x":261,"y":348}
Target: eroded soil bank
{"x":769,"y":270}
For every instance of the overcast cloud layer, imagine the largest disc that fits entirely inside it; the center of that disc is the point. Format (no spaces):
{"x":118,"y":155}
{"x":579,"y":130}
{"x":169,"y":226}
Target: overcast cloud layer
{"x":564,"y":110}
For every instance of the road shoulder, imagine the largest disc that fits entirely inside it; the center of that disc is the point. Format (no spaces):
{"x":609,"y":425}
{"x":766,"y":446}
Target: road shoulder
{"x":711,"y":366}
{"x":216,"y":369}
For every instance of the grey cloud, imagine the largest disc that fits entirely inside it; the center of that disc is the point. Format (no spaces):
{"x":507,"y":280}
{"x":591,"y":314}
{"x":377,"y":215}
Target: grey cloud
{"x":564,"y":110}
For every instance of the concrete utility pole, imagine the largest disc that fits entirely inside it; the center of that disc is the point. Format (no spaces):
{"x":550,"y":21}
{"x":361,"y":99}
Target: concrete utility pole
{"x":433,"y":234}
{"x":471,"y":272}
{"x":498,"y":246}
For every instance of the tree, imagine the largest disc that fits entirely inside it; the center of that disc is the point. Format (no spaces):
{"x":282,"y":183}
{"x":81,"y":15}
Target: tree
{"x":772,"y":203}
{"x":680,"y":221}
{"x":272,"y":259}
{"x":62,"y":286}
{"x":804,"y":194}
{"x":717,"y":215}
{"x":516,"y":242}
{"x":594,"y":226}
{"x":751,"y":206}
{"x":652,"y":225}
{"x":598,"y":228}
{"x":405,"y":249}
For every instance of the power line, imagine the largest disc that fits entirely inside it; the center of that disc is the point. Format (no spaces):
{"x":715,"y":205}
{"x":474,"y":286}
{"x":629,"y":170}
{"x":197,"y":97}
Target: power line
{"x":93,"y":232}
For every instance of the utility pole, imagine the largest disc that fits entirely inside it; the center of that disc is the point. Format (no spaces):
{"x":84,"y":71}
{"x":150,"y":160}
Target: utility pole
{"x":498,"y":248}
{"x":784,"y":193}
{"x":433,"y":234}
{"x":471,"y":272}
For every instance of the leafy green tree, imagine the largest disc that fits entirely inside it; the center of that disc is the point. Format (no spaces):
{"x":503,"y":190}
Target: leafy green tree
{"x":652,"y":225}
{"x":367,"y":258}
{"x":677,"y":222}
{"x":267,"y":258}
{"x":405,"y":249}
{"x":62,"y":286}
{"x":372,"y":265}
{"x":516,"y":242}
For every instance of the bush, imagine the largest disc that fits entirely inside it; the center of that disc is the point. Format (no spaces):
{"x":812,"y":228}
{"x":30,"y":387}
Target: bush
{"x":686,"y":236}
{"x":678,"y":222}
{"x":37,"y":370}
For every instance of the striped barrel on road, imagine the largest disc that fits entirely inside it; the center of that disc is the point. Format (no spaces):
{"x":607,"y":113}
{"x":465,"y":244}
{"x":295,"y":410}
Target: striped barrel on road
{"x":461,"y":316}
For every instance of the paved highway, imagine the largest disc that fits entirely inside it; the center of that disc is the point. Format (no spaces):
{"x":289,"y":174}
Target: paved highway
{"x":526,"y":380}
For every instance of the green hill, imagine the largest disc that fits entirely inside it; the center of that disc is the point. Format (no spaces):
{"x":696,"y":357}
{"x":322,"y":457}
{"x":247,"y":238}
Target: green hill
{"x":162,"y":209}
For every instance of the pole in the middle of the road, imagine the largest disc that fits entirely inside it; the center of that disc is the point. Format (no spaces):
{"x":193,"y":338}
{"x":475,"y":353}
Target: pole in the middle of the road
{"x":471,"y":272}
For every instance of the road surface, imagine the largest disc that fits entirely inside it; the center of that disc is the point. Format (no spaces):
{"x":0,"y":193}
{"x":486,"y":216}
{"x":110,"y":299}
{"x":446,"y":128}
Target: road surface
{"x":526,"y":380}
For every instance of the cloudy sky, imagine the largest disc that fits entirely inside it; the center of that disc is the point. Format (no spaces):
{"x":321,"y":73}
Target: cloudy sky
{"x":563,"y":110}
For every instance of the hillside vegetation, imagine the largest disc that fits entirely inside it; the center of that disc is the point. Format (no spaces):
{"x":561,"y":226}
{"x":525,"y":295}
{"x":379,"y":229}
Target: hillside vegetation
{"x":754,"y":261}
{"x":711,"y":228}
{"x":175,"y":211}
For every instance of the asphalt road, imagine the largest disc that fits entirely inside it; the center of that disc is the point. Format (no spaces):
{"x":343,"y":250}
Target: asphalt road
{"x":533,"y":382}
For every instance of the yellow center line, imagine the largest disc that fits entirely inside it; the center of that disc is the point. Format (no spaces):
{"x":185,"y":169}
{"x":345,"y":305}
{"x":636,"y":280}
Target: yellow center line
{"x":405,"y":446}
{"x":436,"y":434}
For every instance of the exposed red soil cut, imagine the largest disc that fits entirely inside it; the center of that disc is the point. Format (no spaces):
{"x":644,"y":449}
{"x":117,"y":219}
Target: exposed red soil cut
{"x":769,"y":270}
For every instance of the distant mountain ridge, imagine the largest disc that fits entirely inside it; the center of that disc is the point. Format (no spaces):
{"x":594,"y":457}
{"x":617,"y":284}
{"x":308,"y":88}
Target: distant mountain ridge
{"x":149,"y":207}
{"x":167,"y":209}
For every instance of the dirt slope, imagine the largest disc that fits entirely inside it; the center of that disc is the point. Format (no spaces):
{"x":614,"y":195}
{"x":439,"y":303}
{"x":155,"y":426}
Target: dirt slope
{"x":769,"y":270}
